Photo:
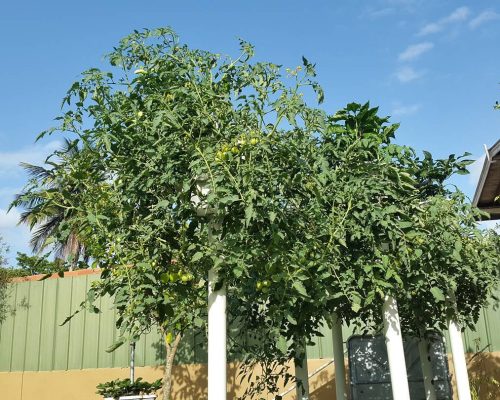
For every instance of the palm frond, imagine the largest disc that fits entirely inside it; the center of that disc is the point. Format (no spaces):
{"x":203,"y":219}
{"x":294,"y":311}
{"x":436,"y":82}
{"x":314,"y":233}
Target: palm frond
{"x":43,"y":232}
{"x":36,"y":171}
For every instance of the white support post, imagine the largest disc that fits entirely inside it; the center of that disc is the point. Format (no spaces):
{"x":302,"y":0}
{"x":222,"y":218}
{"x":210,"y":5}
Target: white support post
{"x":338,"y":358}
{"x":132,"y":362}
{"x":301,"y":372}
{"x":457,"y":351}
{"x":217,"y":389}
{"x":395,"y":350}
{"x":217,"y":319}
{"x":425,"y":363}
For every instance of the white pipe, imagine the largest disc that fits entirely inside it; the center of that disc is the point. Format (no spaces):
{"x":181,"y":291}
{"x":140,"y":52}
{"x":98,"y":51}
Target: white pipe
{"x":457,"y":351}
{"x":132,"y":362}
{"x":338,"y":357}
{"x":395,"y":350}
{"x":426,"y":364}
{"x":217,"y":375}
{"x":217,"y":320}
{"x":301,"y":373}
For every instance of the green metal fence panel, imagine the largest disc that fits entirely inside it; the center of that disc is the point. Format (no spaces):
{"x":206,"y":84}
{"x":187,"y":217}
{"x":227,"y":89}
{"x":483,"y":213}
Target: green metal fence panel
{"x":77,"y":324}
{"x":493,"y":325}
{"x":154,"y":354}
{"x":20,"y":327}
{"x":63,"y":310}
{"x":91,"y":337}
{"x":6,"y":332}
{"x":32,"y":338}
{"x":106,"y":333}
{"x":34,"y":323}
{"x":49,"y":325}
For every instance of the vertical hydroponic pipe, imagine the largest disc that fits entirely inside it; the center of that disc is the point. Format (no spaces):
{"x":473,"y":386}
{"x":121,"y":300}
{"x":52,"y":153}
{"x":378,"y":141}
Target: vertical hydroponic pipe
{"x":395,"y":350}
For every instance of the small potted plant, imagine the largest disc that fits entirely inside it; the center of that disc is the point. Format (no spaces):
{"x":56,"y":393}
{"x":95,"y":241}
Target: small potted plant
{"x":124,"y":389}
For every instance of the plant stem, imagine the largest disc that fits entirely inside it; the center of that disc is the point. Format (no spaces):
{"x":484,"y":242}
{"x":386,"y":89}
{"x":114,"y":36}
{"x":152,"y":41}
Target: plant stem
{"x":169,"y":362}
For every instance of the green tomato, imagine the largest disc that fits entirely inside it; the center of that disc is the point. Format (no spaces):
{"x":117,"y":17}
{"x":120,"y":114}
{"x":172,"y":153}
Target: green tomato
{"x":259,"y":285}
{"x":254,"y":141}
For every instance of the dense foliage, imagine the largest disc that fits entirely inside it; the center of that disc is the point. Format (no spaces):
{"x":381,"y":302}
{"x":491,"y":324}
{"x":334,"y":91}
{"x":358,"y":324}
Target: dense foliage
{"x":189,"y":161}
{"x":123,"y":387}
{"x":27,"y":265}
{"x":4,"y":279}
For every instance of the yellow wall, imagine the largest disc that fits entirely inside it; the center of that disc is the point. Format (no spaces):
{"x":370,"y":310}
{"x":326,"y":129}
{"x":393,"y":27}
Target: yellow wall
{"x":190,"y":381}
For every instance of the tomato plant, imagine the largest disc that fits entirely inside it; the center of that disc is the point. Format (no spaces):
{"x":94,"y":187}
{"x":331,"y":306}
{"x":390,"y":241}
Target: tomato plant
{"x":310,"y":213}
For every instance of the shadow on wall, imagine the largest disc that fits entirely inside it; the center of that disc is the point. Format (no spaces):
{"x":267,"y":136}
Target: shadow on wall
{"x":190,"y":382}
{"x":484,"y":373}
{"x":323,"y":387}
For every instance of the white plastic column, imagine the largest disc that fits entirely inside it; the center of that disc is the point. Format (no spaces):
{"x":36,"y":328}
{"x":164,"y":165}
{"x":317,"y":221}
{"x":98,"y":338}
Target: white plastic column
{"x":338,"y":358}
{"x":217,"y":389}
{"x":457,"y":351}
{"x":301,"y":373}
{"x":425,"y":363}
{"x":217,"y":375}
{"x":395,"y":350}
{"x":132,"y":362}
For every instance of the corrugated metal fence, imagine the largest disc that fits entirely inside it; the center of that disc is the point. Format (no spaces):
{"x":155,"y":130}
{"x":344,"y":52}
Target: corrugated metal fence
{"x":31,"y":338}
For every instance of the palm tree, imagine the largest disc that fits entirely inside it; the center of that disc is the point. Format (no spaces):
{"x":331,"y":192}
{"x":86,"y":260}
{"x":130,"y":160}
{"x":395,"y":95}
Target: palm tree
{"x":45,"y":211}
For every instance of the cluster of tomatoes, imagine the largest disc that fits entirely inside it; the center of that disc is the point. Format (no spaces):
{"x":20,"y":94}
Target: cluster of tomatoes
{"x":179,"y":276}
{"x":227,"y":150}
{"x":263,"y":286}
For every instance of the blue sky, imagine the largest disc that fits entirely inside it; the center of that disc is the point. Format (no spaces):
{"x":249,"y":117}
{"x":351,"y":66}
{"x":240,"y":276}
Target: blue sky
{"x":434,"y":66}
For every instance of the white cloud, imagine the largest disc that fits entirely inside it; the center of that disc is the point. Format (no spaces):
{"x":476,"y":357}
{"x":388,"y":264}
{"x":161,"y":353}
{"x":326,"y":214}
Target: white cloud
{"x":35,"y":154}
{"x":485,"y":16}
{"x":430,"y":28}
{"x":459,"y":15}
{"x":407,"y":74}
{"x":9,"y":219}
{"x":379,"y":13}
{"x":414,"y":51}
{"x":17,"y":239}
{"x":401,"y":110}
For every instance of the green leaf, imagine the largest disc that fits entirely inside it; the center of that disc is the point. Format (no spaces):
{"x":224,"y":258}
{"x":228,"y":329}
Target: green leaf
{"x":437,"y":293}
{"x":163,"y":204}
{"x":282,"y":345}
{"x":291,"y":319}
{"x":115,"y":345}
{"x":197,"y":256}
{"x":299,"y":287}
